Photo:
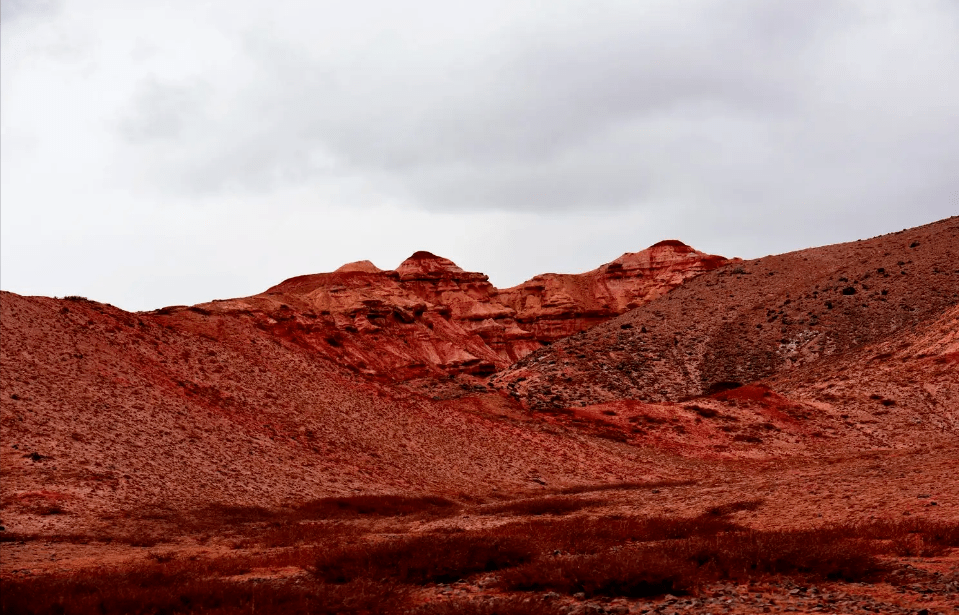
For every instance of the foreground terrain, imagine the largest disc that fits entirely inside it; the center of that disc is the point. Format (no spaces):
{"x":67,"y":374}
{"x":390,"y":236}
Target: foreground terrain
{"x":671,"y":432}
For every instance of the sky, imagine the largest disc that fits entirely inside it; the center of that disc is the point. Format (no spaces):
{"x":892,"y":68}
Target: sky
{"x":162,"y":153}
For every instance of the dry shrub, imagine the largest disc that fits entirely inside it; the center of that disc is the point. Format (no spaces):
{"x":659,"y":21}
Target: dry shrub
{"x":625,"y":486}
{"x":679,"y":566}
{"x":912,"y":537}
{"x":594,"y":535}
{"x":376,"y":505}
{"x":916,"y":545}
{"x":440,"y":558}
{"x":707,"y":413}
{"x":628,"y":572}
{"x":538,"y":506}
{"x":598,"y":556}
{"x":809,"y":554}
{"x":513,"y":605}
{"x":189,"y":587}
{"x":616,"y":435}
{"x":233,"y":515}
{"x":734,"y":507}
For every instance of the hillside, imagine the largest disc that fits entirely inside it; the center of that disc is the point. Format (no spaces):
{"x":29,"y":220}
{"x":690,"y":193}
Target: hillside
{"x":105,"y":411}
{"x":751,"y":321}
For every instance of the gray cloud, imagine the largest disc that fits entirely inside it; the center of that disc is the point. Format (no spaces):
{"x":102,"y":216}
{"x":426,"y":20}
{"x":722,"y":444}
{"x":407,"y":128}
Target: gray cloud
{"x":13,"y":10}
{"x":489,"y":132}
{"x":589,"y":106}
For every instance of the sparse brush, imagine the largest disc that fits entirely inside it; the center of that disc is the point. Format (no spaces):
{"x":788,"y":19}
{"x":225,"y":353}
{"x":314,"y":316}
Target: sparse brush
{"x":439,"y":558}
{"x":912,"y":537}
{"x":513,"y":605}
{"x":678,"y":566}
{"x":629,"y":572}
{"x":734,"y":507}
{"x":634,"y":485}
{"x":595,"y":535}
{"x":812,"y":554}
{"x":292,"y":533}
{"x":184,"y":586}
{"x":218,"y":518}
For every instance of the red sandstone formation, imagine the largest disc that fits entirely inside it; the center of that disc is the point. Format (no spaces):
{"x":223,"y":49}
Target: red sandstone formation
{"x":553,"y":306}
{"x":429,"y":317}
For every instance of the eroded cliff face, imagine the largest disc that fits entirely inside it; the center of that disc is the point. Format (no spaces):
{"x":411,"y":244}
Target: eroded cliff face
{"x":554,"y":306}
{"x":429,"y":317}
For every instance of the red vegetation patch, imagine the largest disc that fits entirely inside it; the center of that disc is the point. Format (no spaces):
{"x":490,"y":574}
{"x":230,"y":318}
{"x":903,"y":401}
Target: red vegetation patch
{"x":633,"y":573}
{"x":512,"y":605}
{"x":638,"y":557}
{"x":625,"y":485}
{"x":434,"y":558}
{"x":189,"y":587}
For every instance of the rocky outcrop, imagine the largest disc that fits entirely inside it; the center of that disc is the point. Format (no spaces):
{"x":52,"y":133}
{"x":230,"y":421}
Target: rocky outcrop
{"x":553,"y":306}
{"x":430,"y":317}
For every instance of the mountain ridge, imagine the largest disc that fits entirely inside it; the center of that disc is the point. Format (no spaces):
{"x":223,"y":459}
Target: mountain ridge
{"x":429,"y":317}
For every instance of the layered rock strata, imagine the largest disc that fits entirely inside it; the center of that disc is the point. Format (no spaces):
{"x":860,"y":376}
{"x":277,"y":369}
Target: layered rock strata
{"x":429,"y":317}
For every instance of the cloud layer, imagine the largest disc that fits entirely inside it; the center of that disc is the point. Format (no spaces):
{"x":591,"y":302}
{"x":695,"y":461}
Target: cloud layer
{"x":743,"y":127}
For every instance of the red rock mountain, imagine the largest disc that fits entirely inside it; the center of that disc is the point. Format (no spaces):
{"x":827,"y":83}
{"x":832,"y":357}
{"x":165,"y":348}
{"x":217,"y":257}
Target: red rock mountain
{"x":291,"y":394}
{"x":429,"y":317}
{"x":852,"y":341}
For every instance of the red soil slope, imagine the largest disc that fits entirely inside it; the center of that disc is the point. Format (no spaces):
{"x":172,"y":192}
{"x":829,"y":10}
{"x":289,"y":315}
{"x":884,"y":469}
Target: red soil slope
{"x":853,"y":342}
{"x":750,"y":321}
{"x":105,"y":411}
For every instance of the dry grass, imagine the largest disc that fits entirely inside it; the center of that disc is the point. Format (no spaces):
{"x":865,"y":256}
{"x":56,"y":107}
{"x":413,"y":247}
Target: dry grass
{"x":733,"y":507}
{"x":512,"y":605}
{"x":595,"y":535}
{"x":634,"y":485}
{"x":681,"y":565}
{"x":189,"y":586}
{"x":632,"y":573}
{"x":913,"y":537}
{"x":557,"y":505}
{"x":431,"y":558}
{"x":347,"y":570}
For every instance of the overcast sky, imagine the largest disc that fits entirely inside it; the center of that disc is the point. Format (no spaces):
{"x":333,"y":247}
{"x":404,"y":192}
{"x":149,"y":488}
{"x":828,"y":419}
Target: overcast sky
{"x":158,"y":153}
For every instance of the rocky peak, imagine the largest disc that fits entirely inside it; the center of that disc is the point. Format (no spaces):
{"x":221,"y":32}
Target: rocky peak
{"x":429,"y":316}
{"x":424,"y":265}
{"x":359,"y":267}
